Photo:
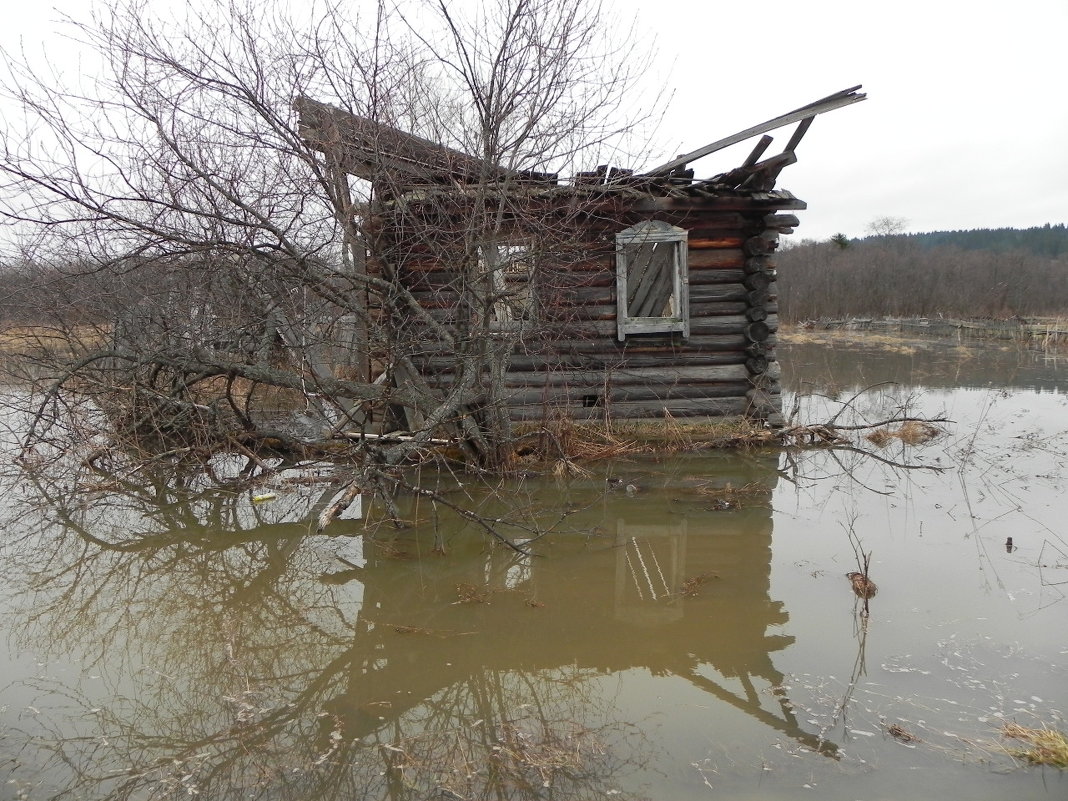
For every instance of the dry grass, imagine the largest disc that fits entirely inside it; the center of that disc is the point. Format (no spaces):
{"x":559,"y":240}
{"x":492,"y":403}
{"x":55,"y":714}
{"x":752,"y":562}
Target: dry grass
{"x":911,"y":432}
{"x":903,"y":336}
{"x":691,"y":587}
{"x":1045,"y":746}
{"x":731,"y":497}
{"x":563,"y":443}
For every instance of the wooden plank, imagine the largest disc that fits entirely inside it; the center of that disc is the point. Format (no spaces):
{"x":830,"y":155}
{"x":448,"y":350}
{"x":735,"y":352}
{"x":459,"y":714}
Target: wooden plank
{"x":758,"y":150}
{"x":656,"y":303}
{"x":837,"y":100}
{"x":799,"y":134}
{"x":653,"y":204}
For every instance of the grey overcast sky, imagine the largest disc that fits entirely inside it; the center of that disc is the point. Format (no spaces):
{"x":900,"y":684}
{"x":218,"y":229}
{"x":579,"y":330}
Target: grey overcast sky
{"x":965,"y":123}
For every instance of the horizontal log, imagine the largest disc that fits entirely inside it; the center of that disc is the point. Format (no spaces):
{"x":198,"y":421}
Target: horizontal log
{"x":711,"y":225}
{"x":699,"y":311}
{"x":715,"y":276}
{"x":781,"y":221}
{"x":758,"y":297}
{"x":739,"y":203}
{"x":596,"y":329}
{"x":595,"y":394}
{"x":734,"y":241}
{"x":719,"y":408}
{"x":711,"y":293}
{"x":703,"y":341}
{"x":730,"y":324}
{"x":668,"y":344}
{"x":628,"y":376}
{"x":730,"y":257}
{"x":594,"y":362}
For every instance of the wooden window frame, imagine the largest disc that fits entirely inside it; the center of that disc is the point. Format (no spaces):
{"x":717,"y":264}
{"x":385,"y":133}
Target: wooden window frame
{"x":653,"y":232}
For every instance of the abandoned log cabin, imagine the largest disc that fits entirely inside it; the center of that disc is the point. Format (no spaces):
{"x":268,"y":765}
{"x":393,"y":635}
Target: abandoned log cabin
{"x":612,"y":295}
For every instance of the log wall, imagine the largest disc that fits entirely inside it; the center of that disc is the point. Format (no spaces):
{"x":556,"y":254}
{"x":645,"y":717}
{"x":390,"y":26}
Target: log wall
{"x":570,"y":361}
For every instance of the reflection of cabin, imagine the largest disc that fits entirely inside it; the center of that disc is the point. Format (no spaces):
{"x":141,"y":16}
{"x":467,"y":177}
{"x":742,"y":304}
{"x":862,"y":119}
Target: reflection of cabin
{"x":610,"y":605}
{"x":624,"y":295}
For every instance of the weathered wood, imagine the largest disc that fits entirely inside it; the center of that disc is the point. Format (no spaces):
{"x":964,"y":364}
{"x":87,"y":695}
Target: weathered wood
{"x":758,"y":150}
{"x":837,"y":100}
{"x":721,"y":275}
{"x":726,"y":203}
{"x":602,"y":363}
{"x":708,"y":408}
{"x":761,"y":404}
{"x":756,"y":364}
{"x":719,"y":308}
{"x":780,"y":221}
{"x":758,"y":246}
{"x":757,"y":331}
{"x":758,"y":297}
{"x":625,"y":376}
{"x":757,"y":264}
{"x":723,"y":240}
{"x":713,"y":257}
{"x":758,"y":281}
{"x":799,"y":134}
{"x":601,"y":395}
{"x":710,"y":293}
{"x":706,"y":226}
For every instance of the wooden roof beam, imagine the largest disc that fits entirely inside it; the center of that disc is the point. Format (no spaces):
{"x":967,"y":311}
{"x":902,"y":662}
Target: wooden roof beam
{"x":372,"y":150}
{"x":839,"y":99}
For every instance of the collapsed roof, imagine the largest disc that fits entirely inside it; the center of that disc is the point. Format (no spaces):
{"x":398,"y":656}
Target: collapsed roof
{"x":373,"y":151}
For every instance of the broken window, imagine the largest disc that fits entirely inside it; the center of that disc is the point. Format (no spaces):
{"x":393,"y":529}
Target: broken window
{"x":510,"y":268}
{"x":652,"y":293}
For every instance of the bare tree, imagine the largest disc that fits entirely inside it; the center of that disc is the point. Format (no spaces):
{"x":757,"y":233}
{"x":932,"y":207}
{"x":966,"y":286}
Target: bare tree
{"x":227,"y":269}
{"x":887,"y":226}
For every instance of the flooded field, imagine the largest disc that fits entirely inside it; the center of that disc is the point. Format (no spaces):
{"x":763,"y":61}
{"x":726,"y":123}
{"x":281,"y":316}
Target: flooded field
{"x":681,"y":628}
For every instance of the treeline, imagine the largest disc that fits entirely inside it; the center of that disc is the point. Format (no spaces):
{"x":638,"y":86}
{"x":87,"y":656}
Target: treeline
{"x":1046,"y":240}
{"x":897,"y":276}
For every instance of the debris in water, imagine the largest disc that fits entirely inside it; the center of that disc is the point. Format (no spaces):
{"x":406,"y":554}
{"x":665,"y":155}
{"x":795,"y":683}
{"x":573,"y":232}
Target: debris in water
{"x":899,"y":732}
{"x":1045,"y":746}
{"x":863,"y":586}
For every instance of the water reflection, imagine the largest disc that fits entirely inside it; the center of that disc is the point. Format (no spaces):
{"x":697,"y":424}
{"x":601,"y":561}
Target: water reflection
{"x":198,"y":643}
{"x":808,"y":362}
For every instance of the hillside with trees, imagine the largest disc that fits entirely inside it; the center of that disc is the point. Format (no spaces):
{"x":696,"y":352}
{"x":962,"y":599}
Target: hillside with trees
{"x":1045,"y":240}
{"x":996,"y":273}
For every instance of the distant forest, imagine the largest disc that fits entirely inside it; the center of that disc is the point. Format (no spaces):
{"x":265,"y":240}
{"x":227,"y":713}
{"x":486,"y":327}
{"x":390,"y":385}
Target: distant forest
{"x":1045,"y":240}
{"x":1000,"y":273}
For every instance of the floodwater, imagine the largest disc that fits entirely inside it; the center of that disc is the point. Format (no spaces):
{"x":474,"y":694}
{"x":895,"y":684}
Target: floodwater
{"x":681,"y":628}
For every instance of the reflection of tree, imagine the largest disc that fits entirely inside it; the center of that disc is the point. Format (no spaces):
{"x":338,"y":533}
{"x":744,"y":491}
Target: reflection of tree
{"x":263,"y":669}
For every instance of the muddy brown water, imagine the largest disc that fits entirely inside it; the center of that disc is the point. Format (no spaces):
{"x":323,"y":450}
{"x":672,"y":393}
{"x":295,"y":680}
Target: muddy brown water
{"x":682,"y":628}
